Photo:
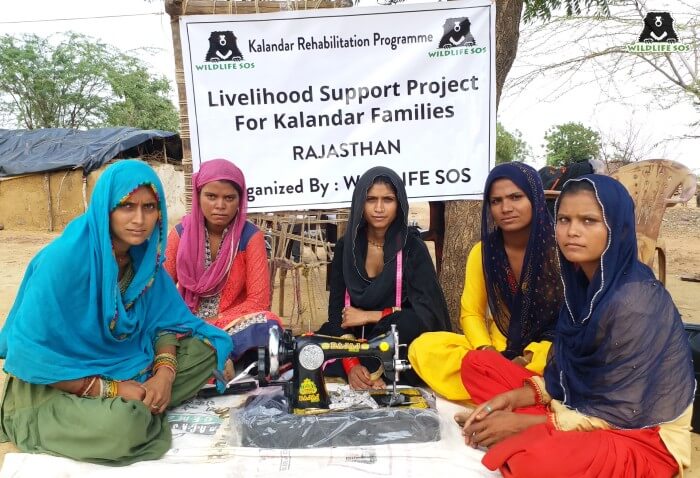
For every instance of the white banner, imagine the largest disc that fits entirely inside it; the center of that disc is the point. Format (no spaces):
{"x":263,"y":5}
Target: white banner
{"x":306,"y":101}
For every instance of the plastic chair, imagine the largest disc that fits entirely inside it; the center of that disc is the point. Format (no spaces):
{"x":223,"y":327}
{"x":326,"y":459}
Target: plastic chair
{"x":653,"y":184}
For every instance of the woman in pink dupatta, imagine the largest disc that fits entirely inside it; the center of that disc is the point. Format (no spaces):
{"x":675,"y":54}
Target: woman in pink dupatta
{"x":218,"y":259}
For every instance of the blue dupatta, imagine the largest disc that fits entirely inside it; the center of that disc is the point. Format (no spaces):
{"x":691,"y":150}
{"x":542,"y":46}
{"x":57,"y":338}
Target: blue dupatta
{"x":524,"y":310}
{"x":620,"y":352}
{"x":70,"y":319}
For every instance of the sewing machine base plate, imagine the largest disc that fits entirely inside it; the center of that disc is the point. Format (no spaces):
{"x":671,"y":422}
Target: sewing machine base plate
{"x":266,"y":423}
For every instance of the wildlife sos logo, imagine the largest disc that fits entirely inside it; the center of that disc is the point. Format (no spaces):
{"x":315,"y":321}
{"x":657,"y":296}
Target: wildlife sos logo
{"x":658,"y":27}
{"x":658,"y":35}
{"x":223,"y":46}
{"x":457,"y":32}
{"x":223,"y":54}
{"x":457,"y":39}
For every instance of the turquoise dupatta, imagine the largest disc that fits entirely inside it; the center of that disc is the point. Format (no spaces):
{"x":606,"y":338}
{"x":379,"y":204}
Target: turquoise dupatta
{"x":70,"y":320}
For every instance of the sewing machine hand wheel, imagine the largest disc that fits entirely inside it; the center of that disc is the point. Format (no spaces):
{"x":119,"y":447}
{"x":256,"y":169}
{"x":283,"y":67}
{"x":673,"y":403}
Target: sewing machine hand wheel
{"x":277,"y":353}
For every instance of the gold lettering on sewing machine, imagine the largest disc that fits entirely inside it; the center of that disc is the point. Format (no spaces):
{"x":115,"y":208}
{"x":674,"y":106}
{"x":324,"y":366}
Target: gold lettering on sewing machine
{"x":312,"y":398}
{"x":349,"y":346}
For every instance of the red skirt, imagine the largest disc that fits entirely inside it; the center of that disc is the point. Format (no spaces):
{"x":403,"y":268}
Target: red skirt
{"x":542,"y":451}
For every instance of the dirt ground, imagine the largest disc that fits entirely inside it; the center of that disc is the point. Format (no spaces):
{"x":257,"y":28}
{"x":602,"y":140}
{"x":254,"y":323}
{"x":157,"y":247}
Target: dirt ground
{"x":680,"y":230}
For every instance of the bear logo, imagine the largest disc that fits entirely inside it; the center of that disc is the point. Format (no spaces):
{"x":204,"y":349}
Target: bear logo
{"x":457,"y":33}
{"x":658,"y":28}
{"x":223,"y":47}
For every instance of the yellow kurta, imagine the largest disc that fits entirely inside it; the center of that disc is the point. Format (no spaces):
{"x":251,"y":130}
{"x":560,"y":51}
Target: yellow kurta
{"x":437,"y":356}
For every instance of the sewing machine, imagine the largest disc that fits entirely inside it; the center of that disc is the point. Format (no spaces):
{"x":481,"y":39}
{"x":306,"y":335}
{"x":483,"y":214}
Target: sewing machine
{"x":307,"y":353}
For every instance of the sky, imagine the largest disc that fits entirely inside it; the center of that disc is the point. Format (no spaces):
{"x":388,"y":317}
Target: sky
{"x":133,"y":24}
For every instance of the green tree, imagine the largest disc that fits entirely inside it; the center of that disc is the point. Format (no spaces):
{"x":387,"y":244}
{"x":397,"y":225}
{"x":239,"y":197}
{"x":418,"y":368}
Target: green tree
{"x":510,"y":146}
{"x":79,"y":82}
{"x":571,"y":142}
{"x":143,"y":101}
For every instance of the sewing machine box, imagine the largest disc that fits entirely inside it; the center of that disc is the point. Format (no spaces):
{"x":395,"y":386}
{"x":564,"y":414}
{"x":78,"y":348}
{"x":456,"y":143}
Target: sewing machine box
{"x":265,"y":421}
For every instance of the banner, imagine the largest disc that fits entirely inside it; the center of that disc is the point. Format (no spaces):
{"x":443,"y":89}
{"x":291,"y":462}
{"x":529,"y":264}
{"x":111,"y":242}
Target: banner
{"x":304,"y":102}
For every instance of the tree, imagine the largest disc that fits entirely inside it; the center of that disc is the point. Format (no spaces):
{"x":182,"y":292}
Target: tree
{"x":463,"y":218}
{"x":600,"y":48}
{"x":144,"y":102}
{"x":626,"y":147}
{"x":510,"y":146}
{"x":79,"y":82}
{"x":570,"y":143}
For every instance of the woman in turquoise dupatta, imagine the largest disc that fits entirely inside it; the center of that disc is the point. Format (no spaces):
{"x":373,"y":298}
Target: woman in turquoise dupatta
{"x":90,"y":349}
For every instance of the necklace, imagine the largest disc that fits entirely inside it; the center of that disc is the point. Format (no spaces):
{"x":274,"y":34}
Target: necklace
{"x":375,"y":244}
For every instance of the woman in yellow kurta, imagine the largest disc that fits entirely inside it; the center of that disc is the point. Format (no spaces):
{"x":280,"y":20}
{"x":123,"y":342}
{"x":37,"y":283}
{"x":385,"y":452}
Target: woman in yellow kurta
{"x":511,"y":274}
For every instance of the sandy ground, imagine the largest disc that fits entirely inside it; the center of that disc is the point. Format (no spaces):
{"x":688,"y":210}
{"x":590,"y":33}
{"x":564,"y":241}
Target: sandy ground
{"x":681,"y":231}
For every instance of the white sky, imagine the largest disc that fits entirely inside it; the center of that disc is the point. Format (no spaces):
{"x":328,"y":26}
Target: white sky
{"x":529,"y":112}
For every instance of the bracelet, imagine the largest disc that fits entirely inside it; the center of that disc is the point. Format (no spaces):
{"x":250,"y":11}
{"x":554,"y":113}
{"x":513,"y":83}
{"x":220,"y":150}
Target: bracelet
{"x":85,"y":385}
{"x":350,"y":363}
{"x":164,"y":365}
{"x":165,"y":356}
{"x":166,"y":360}
{"x":108,"y":388}
{"x":86,"y":392}
{"x":387,"y":311}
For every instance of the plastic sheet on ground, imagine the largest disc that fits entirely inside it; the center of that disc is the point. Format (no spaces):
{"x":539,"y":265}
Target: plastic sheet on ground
{"x":202,"y":433}
{"x":266,"y":423}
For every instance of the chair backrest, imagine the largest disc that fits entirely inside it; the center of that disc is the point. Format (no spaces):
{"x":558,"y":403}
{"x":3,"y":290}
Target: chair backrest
{"x":652,"y":185}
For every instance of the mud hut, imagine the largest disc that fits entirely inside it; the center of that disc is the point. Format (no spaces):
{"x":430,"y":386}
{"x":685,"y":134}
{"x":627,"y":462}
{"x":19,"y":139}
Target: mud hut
{"x":47,"y":175}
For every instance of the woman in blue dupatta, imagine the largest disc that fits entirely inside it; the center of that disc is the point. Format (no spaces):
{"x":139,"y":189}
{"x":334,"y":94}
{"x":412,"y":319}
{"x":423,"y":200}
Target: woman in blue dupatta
{"x":90,"y":345}
{"x":616,"y":398}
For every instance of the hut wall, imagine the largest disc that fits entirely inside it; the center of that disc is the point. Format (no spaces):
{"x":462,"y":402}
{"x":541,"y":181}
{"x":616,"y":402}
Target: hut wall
{"x":24,"y":203}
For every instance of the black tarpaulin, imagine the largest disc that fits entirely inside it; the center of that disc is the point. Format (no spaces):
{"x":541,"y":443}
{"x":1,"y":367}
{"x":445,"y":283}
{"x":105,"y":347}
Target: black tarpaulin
{"x":41,"y":150}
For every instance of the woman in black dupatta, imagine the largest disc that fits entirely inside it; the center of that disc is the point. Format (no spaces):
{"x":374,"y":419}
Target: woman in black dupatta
{"x":365,"y":296}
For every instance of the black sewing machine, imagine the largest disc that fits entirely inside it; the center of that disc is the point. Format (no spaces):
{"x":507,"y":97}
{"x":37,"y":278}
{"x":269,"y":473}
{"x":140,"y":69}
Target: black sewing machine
{"x":307,"y":354}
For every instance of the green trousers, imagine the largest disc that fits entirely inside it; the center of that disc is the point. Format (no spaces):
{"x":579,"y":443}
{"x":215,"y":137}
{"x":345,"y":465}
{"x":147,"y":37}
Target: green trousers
{"x":109,"y":431}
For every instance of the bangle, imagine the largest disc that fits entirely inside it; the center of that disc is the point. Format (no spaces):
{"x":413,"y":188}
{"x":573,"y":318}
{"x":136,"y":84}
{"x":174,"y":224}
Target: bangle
{"x":166,"y":366}
{"x":165,"y":360}
{"x":108,"y":388}
{"x":85,"y":385}
{"x":390,"y":310}
{"x":86,"y":392}
{"x":350,"y":363}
